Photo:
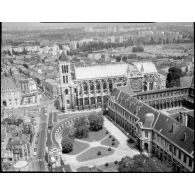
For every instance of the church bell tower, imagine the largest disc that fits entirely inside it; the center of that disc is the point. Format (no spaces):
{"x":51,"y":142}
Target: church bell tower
{"x":65,"y":82}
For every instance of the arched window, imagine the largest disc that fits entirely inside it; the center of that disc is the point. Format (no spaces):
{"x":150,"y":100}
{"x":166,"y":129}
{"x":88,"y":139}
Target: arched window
{"x":66,"y":91}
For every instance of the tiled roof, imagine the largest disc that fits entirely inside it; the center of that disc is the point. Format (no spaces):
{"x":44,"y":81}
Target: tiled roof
{"x":135,"y":106}
{"x":164,"y":125}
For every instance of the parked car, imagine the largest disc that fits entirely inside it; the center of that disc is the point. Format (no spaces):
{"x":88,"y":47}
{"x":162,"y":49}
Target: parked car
{"x":35,"y":152}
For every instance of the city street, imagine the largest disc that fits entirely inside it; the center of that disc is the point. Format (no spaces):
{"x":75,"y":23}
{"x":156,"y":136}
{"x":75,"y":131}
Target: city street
{"x":38,"y":163}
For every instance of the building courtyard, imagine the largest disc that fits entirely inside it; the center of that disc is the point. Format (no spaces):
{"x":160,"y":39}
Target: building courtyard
{"x":85,"y":151}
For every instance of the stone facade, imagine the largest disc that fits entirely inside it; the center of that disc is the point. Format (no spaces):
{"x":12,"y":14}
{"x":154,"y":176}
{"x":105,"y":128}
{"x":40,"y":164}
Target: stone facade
{"x":152,"y":131}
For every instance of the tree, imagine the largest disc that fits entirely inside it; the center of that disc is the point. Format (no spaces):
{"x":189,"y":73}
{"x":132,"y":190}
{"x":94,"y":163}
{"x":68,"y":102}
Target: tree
{"x":68,"y":131}
{"x":173,"y":77}
{"x":95,"y":169}
{"x":67,"y":144}
{"x":81,"y":126}
{"x":118,"y":58}
{"x":141,"y":163}
{"x":138,"y":49}
{"x":5,"y":166}
{"x":96,"y":121}
{"x":124,"y":58}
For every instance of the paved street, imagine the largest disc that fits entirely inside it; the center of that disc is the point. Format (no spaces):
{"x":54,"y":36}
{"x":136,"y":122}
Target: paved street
{"x":39,"y":163}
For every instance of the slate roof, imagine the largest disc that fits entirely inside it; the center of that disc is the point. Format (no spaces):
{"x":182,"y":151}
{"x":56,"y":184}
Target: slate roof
{"x":135,"y":106}
{"x":164,"y":125}
{"x":127,"y":90}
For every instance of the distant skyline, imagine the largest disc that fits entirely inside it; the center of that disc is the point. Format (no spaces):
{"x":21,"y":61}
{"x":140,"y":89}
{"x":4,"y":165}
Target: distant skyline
{"x":59,"y":25}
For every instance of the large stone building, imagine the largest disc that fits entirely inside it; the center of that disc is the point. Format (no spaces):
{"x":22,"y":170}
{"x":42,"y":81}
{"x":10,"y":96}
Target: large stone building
{"x":89,"y":86}
{"x":17,"y":93}
{"x":147,"y":119}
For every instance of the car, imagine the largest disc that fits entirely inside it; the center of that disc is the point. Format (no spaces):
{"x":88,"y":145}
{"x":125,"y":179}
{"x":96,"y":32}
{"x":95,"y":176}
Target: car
{"x":36,"y":142}
{"x":35,"y":152}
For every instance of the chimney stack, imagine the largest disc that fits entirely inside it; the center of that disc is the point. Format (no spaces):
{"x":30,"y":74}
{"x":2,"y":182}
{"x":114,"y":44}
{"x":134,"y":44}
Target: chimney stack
{"x":174,"y":126}
{"x":185,"y":136}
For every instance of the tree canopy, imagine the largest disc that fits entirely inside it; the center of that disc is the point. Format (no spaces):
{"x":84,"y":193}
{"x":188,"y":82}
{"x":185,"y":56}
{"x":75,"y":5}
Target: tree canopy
{"x":141,"y":163}
{"x":81,"y":126}
{"x":173,"y":77}
{"x":67,"y":144}
{"x":96,"y":121}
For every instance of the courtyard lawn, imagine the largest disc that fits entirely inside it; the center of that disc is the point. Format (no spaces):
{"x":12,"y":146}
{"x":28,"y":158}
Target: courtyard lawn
{"x":96,"y":135}
{"x":112,"y":167}
{"x":92,"y":153}
{"x":108,"y":142}
{"x":83,"y":169}
{"x":78,"y":147}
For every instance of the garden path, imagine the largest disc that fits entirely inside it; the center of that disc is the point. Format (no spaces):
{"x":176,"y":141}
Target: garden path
{"x":121,"y":151}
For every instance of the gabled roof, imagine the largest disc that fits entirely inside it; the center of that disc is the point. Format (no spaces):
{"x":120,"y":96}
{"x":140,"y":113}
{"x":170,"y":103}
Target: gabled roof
{"x":135,"y":106}
{"x":101,"y":71}
{"x":146,"y":67}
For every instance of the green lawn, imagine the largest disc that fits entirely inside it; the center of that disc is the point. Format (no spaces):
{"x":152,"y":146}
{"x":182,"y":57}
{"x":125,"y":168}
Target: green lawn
{"x":108,"y":142}
{"x":78,"y":147}
{"x":92,"y":153}
{"x":112,"y":167}
{"x":96,"y":136}
{"x":83,"y":169}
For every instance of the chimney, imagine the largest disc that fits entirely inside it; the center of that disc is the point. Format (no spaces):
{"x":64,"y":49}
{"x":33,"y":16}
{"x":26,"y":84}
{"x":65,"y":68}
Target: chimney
{"x":173,"y":128}
{"x":185,"y":136}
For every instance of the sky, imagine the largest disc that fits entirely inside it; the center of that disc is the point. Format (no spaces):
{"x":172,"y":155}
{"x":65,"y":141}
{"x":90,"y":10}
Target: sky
{"x":38,"y":26}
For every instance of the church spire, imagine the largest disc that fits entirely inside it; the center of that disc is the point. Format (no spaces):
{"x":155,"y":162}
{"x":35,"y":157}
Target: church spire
{"x":142,"y":69}
{"x":128,"y":70}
